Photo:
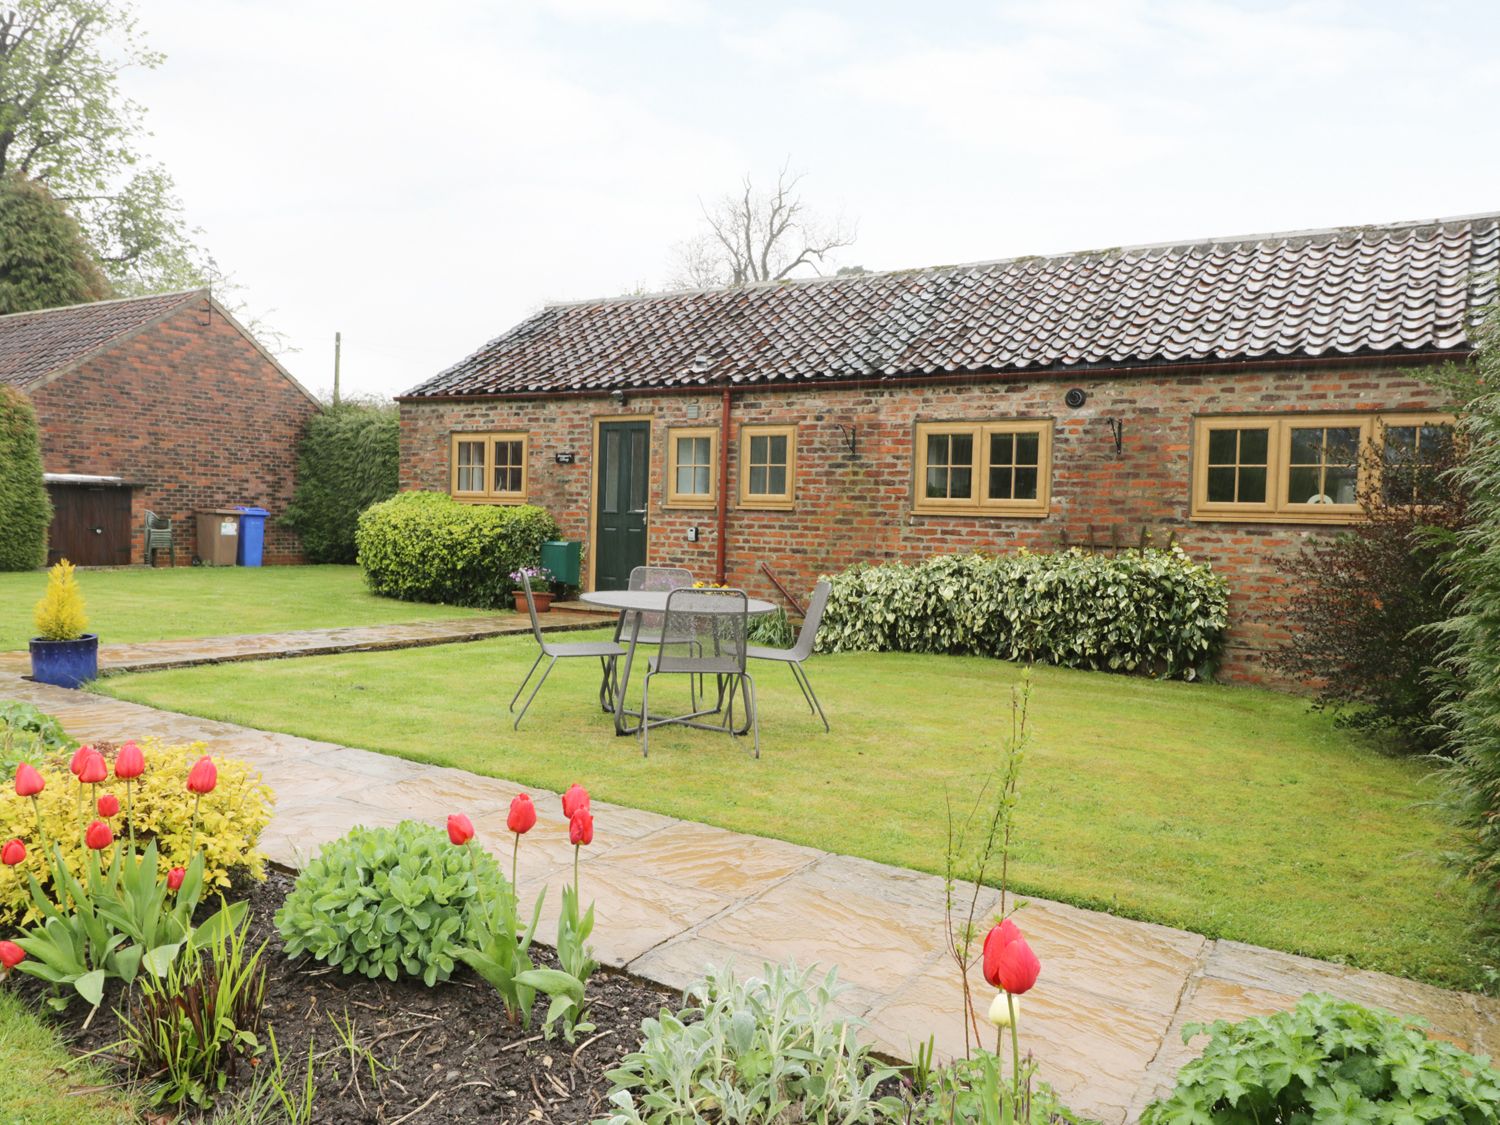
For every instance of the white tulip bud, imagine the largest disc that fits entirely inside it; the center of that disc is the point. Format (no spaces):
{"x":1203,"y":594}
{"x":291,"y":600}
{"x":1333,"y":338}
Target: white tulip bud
{"x":1000,"y":1009}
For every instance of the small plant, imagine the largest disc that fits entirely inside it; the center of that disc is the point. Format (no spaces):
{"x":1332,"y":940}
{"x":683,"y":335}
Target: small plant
{"x":975,"y":1091}
{"x":358,"y":1057}
{"x":28,"y":734}
{"x":60,"y":614}
{"x":536,"y":575}
{"x":1328,"y":1060}
{"x":388,"y":901}
{"x":190,"y":1028}
{"x":763,"y":1049}
{"x":274,"y":1097}
{"x":772,"y":630}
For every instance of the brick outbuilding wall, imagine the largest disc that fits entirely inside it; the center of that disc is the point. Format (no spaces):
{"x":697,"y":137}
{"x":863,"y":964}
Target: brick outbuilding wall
{"x":189,"y":411}
{"x":856,"y":506}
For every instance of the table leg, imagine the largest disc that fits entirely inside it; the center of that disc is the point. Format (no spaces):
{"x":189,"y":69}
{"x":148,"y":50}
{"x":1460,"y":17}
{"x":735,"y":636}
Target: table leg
{"x":635,"y":632}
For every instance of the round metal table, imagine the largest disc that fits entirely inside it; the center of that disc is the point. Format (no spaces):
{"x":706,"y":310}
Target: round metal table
{"x":633,"y":603}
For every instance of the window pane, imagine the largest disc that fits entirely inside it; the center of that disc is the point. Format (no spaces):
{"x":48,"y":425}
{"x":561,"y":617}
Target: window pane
{"x":1221,"y":447}
{"x":757,"y":480}
{"x":777,"y":486}
{"x":1001,"y":482}
{"x":612,"y":471}
{"x":1028,"y":449}
{"x":1341,"y":484}
{"x":1302,"y":486}
{"x":1025,"y":483}
{"x":700,"y":481}
{"x":637,"y":470}
{"x":937,"y":483}
{"x":937,"y":450}
{"x":1252,"y":486}
{"x":963,"y":450}
{"x":777,"y":453}
{"x":1221,"y":485}
{"x":1002,"y":449}
{"x":684,"y":479}
{"x":1400,"y":442}
{"x":1307,"y":447}
{"x":759,"y":447}
{"x":1342,"y":445}
{"x":1254,"y":446}
{"x":960,"y":483}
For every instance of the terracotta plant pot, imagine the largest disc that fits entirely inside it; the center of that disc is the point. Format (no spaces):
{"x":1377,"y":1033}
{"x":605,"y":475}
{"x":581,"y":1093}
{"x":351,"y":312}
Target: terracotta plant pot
{"x":65,"y":663}
{"x":543,"y":601}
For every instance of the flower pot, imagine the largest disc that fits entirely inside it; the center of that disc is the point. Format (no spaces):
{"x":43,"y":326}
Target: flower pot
{"x":65,"y":663}
{"x":543,"y":601}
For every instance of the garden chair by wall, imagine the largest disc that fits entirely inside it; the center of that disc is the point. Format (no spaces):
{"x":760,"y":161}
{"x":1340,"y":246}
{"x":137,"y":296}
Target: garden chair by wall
{"x":795,"y":656}
{"x":703,"y":634}
{"x":159,"y":538}
{"x":606,"y":651}
{"x":660,"y":578}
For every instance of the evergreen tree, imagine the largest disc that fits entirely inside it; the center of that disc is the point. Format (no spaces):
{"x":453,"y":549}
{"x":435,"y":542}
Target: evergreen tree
{"x":25,"y":511}
{"x":44,"y":259}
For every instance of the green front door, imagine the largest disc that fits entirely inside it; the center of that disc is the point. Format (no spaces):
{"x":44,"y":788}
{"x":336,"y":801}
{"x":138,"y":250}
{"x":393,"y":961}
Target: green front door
{"x":624,"y":454}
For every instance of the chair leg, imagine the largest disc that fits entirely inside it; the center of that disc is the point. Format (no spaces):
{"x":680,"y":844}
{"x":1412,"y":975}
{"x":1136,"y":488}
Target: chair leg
{"x":526,"y":680}
{"x":749,"y":686}
{"x":807,"y":683}
{"x":646,"y":715}
{"x":792,"y":664}
{"x":517,"y":724}
{"x":606,"y":683}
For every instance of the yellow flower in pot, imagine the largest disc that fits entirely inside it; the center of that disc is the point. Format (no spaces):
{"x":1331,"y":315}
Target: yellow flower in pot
{"x":62,"y":652}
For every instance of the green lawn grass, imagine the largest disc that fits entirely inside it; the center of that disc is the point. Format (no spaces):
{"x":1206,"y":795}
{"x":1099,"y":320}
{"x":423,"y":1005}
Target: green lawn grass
{"x":41,"y":1084}
{"x":1230,"y":811}
{"x":141,"y":604}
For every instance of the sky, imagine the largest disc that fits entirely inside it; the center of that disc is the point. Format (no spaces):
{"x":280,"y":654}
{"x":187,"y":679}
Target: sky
{"x":421,"y":177}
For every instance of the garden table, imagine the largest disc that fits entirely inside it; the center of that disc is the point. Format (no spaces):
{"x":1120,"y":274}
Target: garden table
{"x":631,"y":604}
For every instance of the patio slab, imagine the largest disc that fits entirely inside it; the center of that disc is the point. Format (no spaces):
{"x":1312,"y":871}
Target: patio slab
{"x":673,"y":897}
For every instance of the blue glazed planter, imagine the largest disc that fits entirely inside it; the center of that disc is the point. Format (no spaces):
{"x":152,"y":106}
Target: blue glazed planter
{"x":65,"y":663}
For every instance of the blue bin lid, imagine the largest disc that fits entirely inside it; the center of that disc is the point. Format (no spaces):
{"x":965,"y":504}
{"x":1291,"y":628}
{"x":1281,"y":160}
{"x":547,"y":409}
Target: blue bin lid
{"x":253,"y":511}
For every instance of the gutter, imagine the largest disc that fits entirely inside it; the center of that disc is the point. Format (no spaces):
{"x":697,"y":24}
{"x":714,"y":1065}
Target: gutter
{"x":721,"y":545}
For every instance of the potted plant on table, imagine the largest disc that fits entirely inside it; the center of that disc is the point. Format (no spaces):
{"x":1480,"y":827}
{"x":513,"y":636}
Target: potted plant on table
{"x":538,"y":576}
{"x":62,"y":653}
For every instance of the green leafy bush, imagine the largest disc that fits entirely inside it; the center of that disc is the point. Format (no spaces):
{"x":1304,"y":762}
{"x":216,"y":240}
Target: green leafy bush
{"x":1328,"y":1060}
{"x":977,"y":1091}
{"x":1153,"y":611}
{"x":427,"y":547}
{"x":763,"y":1049}
{"x":28,"y":734}
{"x":389,"y":901}
{"x":25,"y":510}
{"x":349,"y":459}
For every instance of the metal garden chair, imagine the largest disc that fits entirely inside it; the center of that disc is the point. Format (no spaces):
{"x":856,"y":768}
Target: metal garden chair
{"x":703,"y":634}
{"x":660,"y":578}
{"x":606,"y":651}
{"x":159,"y":538}
{"x":795,"y":656}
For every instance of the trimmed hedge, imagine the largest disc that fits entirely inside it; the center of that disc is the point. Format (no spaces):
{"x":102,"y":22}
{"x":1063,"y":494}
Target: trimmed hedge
{"x":1152,"y":611}
{"x":25,"y":510}
{"x":427,"y":547}
{"x":349,"y":459}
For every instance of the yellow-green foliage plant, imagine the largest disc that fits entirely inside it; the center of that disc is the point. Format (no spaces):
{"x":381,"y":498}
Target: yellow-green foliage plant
{"x":60,"y":614}
{"x":230,"y":821}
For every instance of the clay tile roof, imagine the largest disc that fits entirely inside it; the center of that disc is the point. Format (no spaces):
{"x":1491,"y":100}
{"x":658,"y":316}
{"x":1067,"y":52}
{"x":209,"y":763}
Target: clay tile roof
{"x":35,"y":344}
{"x":1403,"y":289}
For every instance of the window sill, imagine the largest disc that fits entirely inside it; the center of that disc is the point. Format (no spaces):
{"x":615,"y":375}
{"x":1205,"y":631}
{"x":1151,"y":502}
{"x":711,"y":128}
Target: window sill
{"x":766,"y":505}
{"x":984,"y":513}
{"x":507,"y":500}
{"x":1323,"y":518}
{"x":707,"y":504}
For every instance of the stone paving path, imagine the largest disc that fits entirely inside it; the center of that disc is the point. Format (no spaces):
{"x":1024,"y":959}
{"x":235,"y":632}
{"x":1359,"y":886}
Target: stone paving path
{"x":674,"y":897}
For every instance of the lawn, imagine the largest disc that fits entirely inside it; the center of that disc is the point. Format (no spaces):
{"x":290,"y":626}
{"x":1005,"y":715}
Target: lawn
{"x":142,"y":604}
{"x":41,"y":1083}
{"x":1230,"y":811}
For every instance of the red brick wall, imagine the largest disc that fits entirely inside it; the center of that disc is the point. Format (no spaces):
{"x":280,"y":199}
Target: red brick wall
{"x":192,"y":413}
{"x":857,"y":507}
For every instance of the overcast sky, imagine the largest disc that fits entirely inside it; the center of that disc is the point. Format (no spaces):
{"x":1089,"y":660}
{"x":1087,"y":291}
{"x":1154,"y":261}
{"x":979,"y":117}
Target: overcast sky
{"x":420,"y":176}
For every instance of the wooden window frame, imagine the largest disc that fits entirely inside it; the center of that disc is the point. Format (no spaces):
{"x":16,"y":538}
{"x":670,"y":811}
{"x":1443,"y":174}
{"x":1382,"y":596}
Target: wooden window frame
{"x":1277,"y":508}
{"x":692,"y":500}
{"x":768,"y":501}
{"x":489,"y":494}
{"x":980,"y":503}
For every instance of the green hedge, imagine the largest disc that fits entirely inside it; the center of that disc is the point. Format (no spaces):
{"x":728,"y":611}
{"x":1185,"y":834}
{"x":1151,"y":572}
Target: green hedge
{"x":427,"y":547}
{"x":1152,"y":611}
{"x":349,"y":459}
{"x":25,"y":511}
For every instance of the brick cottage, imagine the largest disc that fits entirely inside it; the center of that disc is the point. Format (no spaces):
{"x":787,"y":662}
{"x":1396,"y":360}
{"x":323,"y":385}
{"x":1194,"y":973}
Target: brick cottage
{"x":162,"y":403}
{"x":1224,"y":392}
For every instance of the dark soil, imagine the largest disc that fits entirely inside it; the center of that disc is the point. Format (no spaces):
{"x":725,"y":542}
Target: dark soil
{"x":448,"y":1054}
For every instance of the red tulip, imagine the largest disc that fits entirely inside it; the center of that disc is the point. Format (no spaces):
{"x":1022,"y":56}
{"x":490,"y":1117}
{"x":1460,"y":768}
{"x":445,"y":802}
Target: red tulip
{"x":1019,"y":967}
{"x":130,"y":763}
{"x":577,"y":797}
{"x":98,"y":836}
{"x":28,"y":782}
{"x":11,"y":955}
{"x":109,"y":805}
{"x":175,"y":877}
{"x":994,"y":941}
{"x":203,"y":776}
{"x":80,"y":756}
{"x":522,"y":815}
{"x":581,"y":826}
{"x":460,"y":829}
{"x":93,"y":769}
{"x":13,"y":853}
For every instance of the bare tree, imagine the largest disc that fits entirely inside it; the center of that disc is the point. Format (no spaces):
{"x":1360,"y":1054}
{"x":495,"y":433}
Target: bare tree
{"x":759,"y":235}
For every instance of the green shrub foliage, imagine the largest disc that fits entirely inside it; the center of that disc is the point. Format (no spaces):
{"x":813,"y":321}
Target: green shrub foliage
{"x":389,"y":901}
{"x":25,"y":510}
{"x":427,"y":547}
{"x":1151,"y":610}
{"x":44,"y":259}
{"x":349,"y":459}
{"x":1328,"y":1060}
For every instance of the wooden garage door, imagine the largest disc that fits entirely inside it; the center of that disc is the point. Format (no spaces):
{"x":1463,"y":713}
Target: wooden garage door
{"x":90,"y":525}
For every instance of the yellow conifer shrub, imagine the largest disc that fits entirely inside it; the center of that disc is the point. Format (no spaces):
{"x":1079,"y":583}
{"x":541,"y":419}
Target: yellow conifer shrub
{"x":60,"y":615}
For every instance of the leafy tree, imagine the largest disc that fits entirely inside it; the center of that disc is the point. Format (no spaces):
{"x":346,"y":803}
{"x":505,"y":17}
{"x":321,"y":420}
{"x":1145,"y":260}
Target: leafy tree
{"x":44,"y":259}
{"x":65,"y":124}
{"x":25,"y":511}
{"x":759,"y":235}
{"x":348,"y":460}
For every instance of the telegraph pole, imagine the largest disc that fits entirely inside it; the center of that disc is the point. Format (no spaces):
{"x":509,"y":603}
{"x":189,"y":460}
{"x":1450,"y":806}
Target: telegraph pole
{"x":338,"y":343}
